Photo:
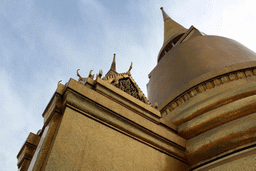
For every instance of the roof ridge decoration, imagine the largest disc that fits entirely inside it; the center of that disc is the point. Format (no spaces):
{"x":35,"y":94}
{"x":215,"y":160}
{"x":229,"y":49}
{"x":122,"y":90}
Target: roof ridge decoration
{"x":113,"y":65}
{"x":123,"y":81}
{"x":112,"y":70}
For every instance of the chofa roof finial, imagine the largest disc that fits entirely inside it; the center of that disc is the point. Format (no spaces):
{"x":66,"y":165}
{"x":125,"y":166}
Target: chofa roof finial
{"x":113,"y":65}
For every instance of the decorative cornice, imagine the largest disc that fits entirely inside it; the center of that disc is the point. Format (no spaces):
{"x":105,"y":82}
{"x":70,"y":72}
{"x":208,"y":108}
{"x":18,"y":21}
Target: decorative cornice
{"x":209,"y":84}
{"x":119,"y":96}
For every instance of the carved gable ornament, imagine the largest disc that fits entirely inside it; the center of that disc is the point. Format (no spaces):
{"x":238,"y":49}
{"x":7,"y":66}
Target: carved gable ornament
{"x":126,"y":83}
{"x":128,"y":86}
{"x":123,"y":81}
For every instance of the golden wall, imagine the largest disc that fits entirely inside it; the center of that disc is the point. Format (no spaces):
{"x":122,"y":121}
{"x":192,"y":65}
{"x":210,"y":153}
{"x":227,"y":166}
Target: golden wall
{"x":85,"y":144}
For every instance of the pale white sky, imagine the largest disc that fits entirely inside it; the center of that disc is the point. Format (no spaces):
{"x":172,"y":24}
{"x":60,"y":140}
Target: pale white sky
{"x":42,"y":42}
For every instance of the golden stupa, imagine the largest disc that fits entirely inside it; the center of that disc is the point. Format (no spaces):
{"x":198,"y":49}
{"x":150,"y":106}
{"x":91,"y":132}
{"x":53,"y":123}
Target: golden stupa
{"x":199,"y":114}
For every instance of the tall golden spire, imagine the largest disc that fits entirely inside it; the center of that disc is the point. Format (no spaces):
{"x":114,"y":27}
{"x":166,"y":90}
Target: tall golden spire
{"x":171,"y":28}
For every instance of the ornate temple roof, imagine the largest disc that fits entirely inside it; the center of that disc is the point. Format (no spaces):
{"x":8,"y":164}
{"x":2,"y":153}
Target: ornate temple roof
{"x":125,"y":82}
